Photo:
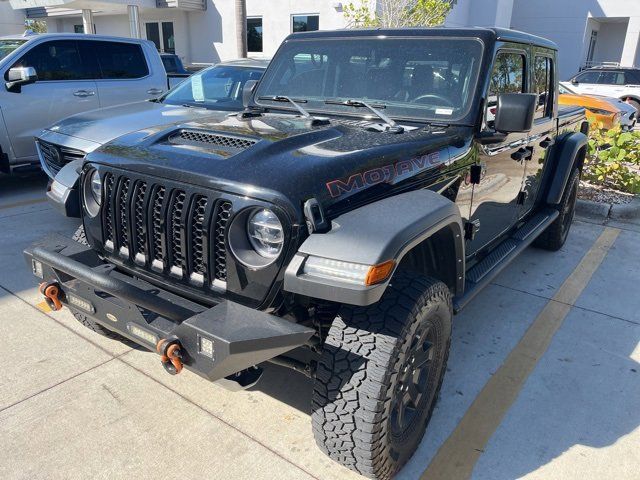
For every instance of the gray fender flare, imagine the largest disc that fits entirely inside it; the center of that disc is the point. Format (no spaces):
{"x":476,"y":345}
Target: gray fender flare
{"x":373,"y":234}
{"x":63,"y":193}
{"x":565,"y":156}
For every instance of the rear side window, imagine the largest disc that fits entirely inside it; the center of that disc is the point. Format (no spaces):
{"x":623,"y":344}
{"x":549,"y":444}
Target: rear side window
{"x":542,"y":75}
{"x":170,"y":64}
{"x":611,"y":78}
{"x":57,"y":60}
{"x":120,"y":60}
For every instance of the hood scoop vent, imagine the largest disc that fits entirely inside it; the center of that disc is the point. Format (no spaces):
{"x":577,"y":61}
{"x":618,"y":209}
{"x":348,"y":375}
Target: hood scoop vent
{"x":199,"y":138}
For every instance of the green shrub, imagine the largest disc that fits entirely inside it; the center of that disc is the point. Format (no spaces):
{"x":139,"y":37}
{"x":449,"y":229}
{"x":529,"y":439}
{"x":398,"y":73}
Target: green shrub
{"x":611,"y":157}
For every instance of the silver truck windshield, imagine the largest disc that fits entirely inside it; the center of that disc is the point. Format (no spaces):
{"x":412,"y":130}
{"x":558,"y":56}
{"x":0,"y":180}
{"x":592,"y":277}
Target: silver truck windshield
{"x":430,"y":79}
{"x":8,"y":46}
{"x":218,"y":87}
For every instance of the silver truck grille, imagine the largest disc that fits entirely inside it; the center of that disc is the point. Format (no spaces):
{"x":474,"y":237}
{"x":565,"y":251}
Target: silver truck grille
{"x":55,"y":157}
{"x":166,"y":229}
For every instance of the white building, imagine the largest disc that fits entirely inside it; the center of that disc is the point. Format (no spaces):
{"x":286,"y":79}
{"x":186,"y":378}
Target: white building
{"x":587,"y":32}
{"x":199,"y":31}
{"x":203,"y":31}
{"x":11,"y":21}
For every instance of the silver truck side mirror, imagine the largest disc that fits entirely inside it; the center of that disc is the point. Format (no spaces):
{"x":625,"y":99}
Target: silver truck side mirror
{"x":19,"y":76}
{"x":247,"y":90}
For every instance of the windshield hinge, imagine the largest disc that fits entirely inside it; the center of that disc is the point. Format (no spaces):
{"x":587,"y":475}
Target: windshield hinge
{"x":314,"y":216}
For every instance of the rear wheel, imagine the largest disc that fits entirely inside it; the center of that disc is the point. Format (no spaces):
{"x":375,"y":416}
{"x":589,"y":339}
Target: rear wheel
{"x":379,"y":376}
{"x":555,"y":235}
{"x":634,"y":103}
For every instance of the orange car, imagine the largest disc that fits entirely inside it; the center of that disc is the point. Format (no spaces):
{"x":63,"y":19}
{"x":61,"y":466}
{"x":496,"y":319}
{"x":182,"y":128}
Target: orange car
{"x":597,"y":109}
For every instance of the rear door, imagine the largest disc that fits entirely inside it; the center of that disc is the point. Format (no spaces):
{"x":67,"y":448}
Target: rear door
{"x":494,"y":199}
{"x":125,"y":75}
{"x":64,"y":87}
{"x":543,"y":132}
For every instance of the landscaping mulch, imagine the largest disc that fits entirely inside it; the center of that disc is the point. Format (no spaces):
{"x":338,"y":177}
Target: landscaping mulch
{"x":596,"y":193}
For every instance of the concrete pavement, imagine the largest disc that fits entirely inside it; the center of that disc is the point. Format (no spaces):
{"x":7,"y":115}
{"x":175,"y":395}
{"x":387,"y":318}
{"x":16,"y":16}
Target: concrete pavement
{"x":75,"y":405}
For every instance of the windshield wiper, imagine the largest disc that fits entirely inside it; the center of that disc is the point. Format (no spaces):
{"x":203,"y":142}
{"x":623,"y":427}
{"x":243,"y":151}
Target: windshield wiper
{"x":393,"y":126}
{"x":303,"y":112}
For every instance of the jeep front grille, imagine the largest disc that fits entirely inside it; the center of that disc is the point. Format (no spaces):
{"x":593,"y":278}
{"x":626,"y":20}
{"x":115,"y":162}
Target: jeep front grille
{"x":55,"y":157}
{"x":166,"y":229}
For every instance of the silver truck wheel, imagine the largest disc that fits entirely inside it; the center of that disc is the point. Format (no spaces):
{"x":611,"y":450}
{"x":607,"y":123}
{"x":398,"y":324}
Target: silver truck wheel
{"x":379,"y":376}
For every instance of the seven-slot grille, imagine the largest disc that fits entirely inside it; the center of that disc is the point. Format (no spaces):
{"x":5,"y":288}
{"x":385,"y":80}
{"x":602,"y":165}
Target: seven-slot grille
{"x":166,"y":229}
{"x":56,"y":157}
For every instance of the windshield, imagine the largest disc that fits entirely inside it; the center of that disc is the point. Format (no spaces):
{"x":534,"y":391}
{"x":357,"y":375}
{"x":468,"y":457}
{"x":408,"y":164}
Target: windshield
{"x":422,"y":78}
{"x":218,"y":87}
{"x":8,"y":46}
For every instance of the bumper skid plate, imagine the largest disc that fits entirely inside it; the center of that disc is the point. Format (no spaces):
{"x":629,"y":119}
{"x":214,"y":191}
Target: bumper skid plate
{"x":216,"y":342}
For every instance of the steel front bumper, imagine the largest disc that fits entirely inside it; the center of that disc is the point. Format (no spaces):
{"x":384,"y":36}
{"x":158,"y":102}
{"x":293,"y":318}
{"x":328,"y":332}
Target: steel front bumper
{"x":216,"y":342}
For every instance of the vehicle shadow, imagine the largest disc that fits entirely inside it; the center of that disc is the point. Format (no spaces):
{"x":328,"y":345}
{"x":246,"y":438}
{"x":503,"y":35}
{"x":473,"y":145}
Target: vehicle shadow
{"x":14,"y":188}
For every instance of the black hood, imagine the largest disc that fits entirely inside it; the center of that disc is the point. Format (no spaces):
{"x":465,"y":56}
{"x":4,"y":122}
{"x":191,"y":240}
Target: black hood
{"x":282,"y":158}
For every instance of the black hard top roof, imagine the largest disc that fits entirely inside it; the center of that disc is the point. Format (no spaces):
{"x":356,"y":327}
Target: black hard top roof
{"x":480,"y":32}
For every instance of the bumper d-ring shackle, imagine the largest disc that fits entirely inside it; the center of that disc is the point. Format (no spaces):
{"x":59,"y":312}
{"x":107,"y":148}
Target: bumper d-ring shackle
{"x":52,"y":294}
{"x":170,"y":354}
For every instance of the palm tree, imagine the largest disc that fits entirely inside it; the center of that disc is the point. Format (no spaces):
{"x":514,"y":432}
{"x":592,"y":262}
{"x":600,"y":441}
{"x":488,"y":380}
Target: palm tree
{"x":241,"y":27}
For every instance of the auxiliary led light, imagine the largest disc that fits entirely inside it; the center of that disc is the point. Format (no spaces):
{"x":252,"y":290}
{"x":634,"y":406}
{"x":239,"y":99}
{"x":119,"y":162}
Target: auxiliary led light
{"x":347,"y":272}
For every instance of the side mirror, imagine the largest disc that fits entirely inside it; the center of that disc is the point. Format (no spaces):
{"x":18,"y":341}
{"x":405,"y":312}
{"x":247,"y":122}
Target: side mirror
{"x":515,"y":112}
{"x":575,"y":82}
{"x":19,"y":76}
{"x":247,"y":90}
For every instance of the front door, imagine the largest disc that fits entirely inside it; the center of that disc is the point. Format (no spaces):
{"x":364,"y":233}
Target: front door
{"x":64,"y":87}
{"x":586,"y":82}
{"x":494,"y":200}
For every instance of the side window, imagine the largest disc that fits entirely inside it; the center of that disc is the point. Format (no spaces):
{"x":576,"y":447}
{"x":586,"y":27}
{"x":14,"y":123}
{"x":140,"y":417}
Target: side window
{"x":611,"y":78}
{"x":120,"y":60}
{"x":588,"y":77}
{"x":508,"y":76}
{"x":542,"y":73}
{"x":57,"y":60}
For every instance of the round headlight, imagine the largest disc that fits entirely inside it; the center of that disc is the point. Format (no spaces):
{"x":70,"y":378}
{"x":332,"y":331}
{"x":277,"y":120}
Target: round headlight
{"x":96,"y":187}
{"x":265,"y":233}
{"x":92,"y":193}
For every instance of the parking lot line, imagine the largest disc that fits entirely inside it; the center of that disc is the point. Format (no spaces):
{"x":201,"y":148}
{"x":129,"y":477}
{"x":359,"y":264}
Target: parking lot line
{"x":456,"y":458}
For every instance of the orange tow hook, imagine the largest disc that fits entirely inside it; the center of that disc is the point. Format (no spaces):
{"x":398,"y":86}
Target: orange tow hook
{"x":52,"y":293}
{"x":170,"y":354}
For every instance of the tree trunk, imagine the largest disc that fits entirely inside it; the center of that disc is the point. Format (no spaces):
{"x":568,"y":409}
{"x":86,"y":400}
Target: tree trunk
{"x":241,"y":28}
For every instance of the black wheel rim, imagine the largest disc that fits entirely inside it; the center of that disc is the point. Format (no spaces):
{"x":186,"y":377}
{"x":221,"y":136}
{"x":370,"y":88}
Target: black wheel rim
{"x":568,"y":212}
{"x":415,"y":383}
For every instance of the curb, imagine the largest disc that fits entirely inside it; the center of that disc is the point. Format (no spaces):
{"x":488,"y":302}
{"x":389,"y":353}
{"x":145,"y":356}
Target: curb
{"x":626,"y":212}
{"x":593,"y":210}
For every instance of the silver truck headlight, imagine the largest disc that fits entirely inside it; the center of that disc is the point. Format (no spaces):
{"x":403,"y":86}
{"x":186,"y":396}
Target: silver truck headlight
{"x":265,"y":233}
{"x":92,"y":193}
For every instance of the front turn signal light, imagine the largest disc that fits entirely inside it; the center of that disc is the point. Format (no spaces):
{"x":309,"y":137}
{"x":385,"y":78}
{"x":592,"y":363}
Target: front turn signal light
{"x":379,"y":273}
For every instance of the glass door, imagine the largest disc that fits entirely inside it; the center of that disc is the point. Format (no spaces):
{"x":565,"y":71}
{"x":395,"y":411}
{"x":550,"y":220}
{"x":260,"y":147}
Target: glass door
{"x":162,"y":35}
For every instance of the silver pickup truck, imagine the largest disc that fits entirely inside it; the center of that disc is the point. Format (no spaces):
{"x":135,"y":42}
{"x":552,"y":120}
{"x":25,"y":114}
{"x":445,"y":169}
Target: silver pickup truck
{"x":51,"y":76}
{"x":218,"y":88}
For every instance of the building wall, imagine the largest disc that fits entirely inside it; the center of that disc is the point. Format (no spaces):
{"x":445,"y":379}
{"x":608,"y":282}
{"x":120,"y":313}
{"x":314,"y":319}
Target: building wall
{"x":567,"y":22}
{"x":11,"y":21}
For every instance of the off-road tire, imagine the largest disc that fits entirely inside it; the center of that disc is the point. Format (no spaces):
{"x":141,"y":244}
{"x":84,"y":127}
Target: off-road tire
{"x":359,"y":375}
{"x":80,"y":237}
{"x":555,"y":235}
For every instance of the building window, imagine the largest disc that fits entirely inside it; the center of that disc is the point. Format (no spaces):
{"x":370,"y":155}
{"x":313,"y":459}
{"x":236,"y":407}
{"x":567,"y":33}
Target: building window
{"x":305,"y":23}
{"x":161,"y":30}
{"x":80,"y":28}
{"x":254,"y":34}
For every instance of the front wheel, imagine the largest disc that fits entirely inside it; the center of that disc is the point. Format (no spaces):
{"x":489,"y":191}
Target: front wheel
{"x":379,"y":376}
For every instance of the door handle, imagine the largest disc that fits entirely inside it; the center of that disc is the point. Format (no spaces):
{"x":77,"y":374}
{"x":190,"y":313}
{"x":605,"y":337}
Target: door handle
{"x":155,"y":91}
{"x":547,"y":142}
{"x":84,"y":93}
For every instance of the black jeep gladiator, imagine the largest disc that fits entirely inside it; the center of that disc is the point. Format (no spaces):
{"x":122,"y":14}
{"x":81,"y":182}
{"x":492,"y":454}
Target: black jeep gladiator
{"x":374,"y":183}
